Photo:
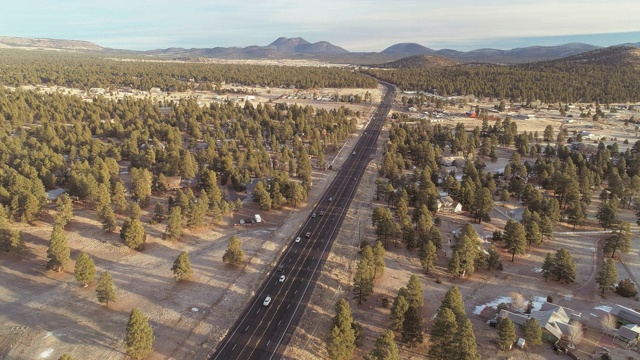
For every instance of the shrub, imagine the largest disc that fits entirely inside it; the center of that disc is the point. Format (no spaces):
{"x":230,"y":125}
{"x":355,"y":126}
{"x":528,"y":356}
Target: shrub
{"x":549,"y":299}
{"x":626,"y":288}
{"x":385,"y":302}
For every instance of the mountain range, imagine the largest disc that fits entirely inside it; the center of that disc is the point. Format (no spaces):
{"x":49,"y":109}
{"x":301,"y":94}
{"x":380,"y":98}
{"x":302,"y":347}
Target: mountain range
{"x":299,"y":48}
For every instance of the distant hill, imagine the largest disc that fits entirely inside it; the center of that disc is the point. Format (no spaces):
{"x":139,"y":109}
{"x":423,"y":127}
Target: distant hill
{"x":419,"y":61}
{"x":10,"y":41}
{"x":407,"y":49}
{"x":614,"y":56}
{"x":299,"y":48}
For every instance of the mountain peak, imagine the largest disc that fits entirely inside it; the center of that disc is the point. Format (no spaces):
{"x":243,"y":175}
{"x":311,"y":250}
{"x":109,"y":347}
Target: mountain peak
{"x":288,"y":44}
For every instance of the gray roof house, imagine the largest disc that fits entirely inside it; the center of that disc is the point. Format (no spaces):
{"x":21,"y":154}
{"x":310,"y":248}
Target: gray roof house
{"x":625,"y":315}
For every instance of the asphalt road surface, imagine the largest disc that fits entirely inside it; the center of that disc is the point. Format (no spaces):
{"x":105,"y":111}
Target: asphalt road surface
{"x":263,"y":331}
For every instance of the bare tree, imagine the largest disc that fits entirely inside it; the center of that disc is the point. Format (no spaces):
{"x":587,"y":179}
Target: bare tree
{"x":576,"y":333}
{"x":517,"y":301}
{"x":608,"y":323}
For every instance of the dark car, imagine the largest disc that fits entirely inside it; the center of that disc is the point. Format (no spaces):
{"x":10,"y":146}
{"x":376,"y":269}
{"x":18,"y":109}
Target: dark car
{"x":281,"y":268}
{"x":321,"y":213}
{"x":308,"y":235}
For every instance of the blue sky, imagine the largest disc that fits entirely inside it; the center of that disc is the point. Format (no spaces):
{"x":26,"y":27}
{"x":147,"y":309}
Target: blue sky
{"x":356,"y":25}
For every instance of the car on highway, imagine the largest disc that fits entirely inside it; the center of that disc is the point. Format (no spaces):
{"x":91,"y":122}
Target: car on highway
{"x":281,"y":268}
{"x":321,"y":212}
{"x":267,"y":301}
{"x":354,"y":153}
{"x":330,"y":198}
{"x":282,"y":278}
{"x":314,"y":215}
{"x":308,"y":234}
{"x":298,"y":239}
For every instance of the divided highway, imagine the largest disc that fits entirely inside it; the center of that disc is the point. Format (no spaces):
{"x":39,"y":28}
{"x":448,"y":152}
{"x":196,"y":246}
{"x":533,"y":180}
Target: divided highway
{"x":263,"y":331}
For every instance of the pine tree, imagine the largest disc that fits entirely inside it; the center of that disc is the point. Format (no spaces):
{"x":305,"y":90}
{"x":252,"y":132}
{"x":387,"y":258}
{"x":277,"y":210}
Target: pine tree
{"x":620,"y":240}
{"x":564,"y":266}
{"x":105,"y":290}
{"x":133,"y":234}
{"x":413,"y":292}
{"x":515,"y":238}
{"x":412,"y":327}
{"x":65,"y":210}
{"x":58,"y":252}
{"x":608,"y":275}
{"x":533,"y":331}
{"x":85,"y":269}
{"x":398,"y":309}
{"x":443,"y":335}
{"x":467,"y":346}
{"x":159,"y":213}
{"x":548,"y":266}
{"x":182,"y":267}
{"x":342,"y":338}
{"x":378,"y":260}
{"x":385,"y":348}
{"x":108,"y":219}
{"x":453,"y":300}
{"x":234,"y":254}
{"x":173,"y":231}
{"x":198,"y":211}
{"x":493,"y":260}
{"x":118,"y":198}
{"x":363,"y":280}
{"x":138,"y":341}
{"x":428,"y":257}
{"x":454,"y":264}
{"x":506,"y":334}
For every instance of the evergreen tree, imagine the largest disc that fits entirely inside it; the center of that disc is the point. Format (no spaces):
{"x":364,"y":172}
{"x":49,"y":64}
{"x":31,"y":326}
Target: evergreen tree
{"x":342,"y":338}
{"x":506,"y":334}
{"x":65,"y":210}
{"x":108,"y":219}
{"x":467,"y":347}
{"x":385,"y":348}
{"x":412,"y":327}
{"x":608,"y":275}
{"x":173,"y":231}
{"x":85,"y":269}
{"x":118,"y":198}
{"x":443,"y":335}
{"x":548,"y":266}
{"x":435,"y":237}
{"x":413,"y":293}
{"x":105,"y":290}
{"x":138,"y":341}
{"x":428,"y":257}
{"x":58,"y":252}
{"x":159,"y":213}
{"x":564,"y":266}
{"x":533,"y":331}
{"x":363,"y":279}
{"x":141,"y":185}
{"x":482,"y":205}
{"x":493,"y":260}
{"x":378,"y":260}
{"x":453,"y":300}
{"x":620,"y":239}
{"x":198,"y":211}
{"x":182,"y":267}
{"x":234,"y":254}
{"x":515,"y":238}
{"x":398,"y":309}
{"x":454,"y":264}
{"x":133,"y":234}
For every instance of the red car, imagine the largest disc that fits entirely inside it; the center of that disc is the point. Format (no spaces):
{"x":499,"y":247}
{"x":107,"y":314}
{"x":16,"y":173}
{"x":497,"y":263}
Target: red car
{"x":308,"y":235}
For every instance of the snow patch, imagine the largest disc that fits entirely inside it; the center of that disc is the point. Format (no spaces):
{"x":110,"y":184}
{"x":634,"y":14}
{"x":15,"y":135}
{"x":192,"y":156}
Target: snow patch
{"x":45,"y":354}
{"x":604,"y":308}
{"x":537,"y":303}
{"x":537,"y":270}
{"x":493,"y":304}
{"x":47,"y":334}
{"x":195,"y":309}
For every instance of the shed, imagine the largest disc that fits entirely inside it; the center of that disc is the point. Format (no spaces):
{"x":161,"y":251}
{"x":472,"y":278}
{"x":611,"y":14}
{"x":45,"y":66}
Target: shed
{"x":174,"y":182}
{"x":629,"y":333}
{"x":258,"y":218}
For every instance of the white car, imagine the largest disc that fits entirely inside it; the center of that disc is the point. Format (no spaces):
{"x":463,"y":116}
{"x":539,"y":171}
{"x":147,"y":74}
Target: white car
{"x":282,"y":277}
{"x":267,"y":301}
{"x":298,"y":239}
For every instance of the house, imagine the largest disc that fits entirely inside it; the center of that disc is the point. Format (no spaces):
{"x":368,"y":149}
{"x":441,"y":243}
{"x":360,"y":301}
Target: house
{"x":554,"y":322}
{"x":517,"y":319}
{"x":155,"y":90}
{"x":624,"y":315}
{"x":629,"y":334}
